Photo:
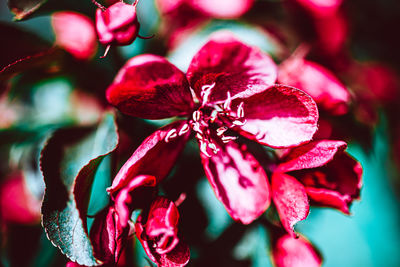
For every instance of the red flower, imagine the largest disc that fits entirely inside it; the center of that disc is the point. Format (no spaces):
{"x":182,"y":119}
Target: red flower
{"x":158,"y":234}
{"x":319,"y":171}
{"x":233,"y":91}
{"x":118,"y":24}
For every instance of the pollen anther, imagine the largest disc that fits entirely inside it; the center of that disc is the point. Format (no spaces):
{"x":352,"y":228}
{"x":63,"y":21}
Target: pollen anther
{"x":185,"y":128}
{"x":196,"y":115}
{"x":171,"y":134}
{"x":227,"y":139}
{"x":221,"y":130}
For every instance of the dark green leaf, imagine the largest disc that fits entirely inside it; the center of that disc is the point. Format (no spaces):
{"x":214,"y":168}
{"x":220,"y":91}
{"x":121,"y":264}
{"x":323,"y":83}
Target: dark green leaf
{"x":69,"y":163}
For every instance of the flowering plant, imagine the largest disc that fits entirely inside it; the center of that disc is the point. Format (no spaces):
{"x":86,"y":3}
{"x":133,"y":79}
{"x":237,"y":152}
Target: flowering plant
{"x":206,"y":143}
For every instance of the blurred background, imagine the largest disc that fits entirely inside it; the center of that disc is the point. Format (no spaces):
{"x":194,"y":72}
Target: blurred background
{"x":361,"y":46}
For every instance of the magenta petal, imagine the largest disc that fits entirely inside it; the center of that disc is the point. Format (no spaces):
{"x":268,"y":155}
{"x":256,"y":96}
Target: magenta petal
{"x":281,"y":116}
{"x":178,"y":257}
{"x":108,"y":236}
{"x":162,"y":224}
{"x":233,"y":66}
{"x":222,"y":8}
{"x":126,"y":198}
{"x":295,"y":252}
{"x":290,"y":199}
{"x":238,"y":181}
{"x":153,"y":157}
{"x":318,"y":82}
{"x":312,"y":155}
{"x":150,"y":87}
{"x":158,"y":234}
{"x":335,"y":185}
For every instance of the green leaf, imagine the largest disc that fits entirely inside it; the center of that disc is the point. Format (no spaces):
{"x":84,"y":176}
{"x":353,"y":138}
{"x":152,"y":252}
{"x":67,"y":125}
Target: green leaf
{"x":69,"y":163}
{"x":24,"y":8}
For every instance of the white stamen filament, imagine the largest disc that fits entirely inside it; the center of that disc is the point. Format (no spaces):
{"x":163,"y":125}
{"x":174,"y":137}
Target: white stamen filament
{"x":214,"y":115}
{"x":205,"y":92}
{"x":240,"y":110}
{"x":227,"y":103}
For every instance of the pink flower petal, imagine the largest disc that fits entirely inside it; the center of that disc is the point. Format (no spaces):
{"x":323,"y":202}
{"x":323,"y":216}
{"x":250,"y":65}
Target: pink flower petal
{"x":222,"y":8}
{"x":290,"y":199}
{"x":295,"y":252}
{"x":281,"y":116}
{"x":129,"y":196}
{"x":238,"y":181}
{"x":158,"y":234}
{"x":178,"y":257}
{"x":150,"y":87}
{"x":233,"y":66}
{"x":318,"y":82}
{"x":335,"y":185}
{"x":153,"y":157}
{"x":162,"y":224}
{"x":312,"y":155}
{"x":75,"y":33}
{"x":108,"y":237}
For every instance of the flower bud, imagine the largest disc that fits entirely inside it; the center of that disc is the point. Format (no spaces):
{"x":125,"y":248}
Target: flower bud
{"x":118,"y":24}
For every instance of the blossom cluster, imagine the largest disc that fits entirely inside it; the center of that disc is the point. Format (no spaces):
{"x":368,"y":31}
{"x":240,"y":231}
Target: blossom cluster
{"x":268,"y":128}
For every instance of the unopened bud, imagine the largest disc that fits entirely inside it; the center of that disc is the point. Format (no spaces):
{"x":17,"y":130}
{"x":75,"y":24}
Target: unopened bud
{"x":117,"y":25}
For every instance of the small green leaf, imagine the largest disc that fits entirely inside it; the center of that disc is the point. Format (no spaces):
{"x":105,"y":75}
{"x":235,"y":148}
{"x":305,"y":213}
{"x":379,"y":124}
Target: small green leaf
{"x":69,"y":163}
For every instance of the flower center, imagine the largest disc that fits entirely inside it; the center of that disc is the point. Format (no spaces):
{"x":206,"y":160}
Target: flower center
{"x":211,"y":122}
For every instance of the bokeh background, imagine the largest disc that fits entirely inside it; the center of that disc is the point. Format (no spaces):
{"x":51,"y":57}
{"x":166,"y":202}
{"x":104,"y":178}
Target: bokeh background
{"x":369,"y":237}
